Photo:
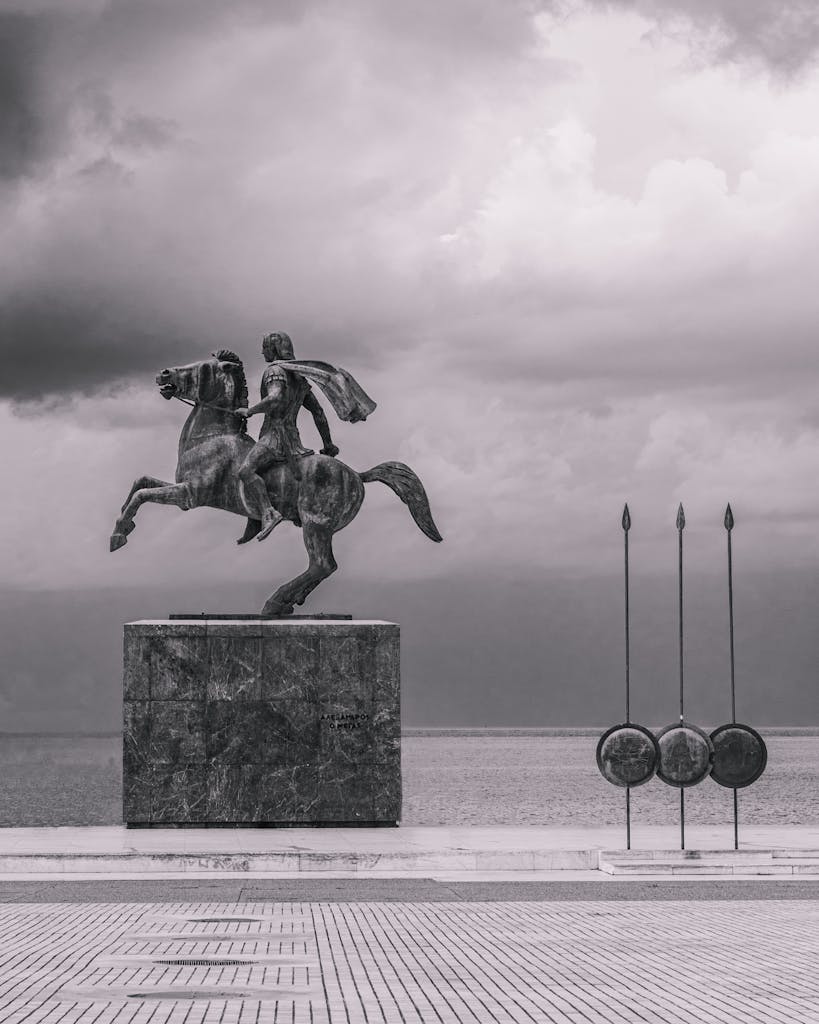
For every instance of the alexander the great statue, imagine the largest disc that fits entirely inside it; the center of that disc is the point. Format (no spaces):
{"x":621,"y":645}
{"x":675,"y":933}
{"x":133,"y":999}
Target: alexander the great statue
{"x":276,"y":477}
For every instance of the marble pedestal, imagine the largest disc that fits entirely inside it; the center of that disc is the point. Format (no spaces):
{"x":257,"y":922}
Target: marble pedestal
{"x":230,"y":722}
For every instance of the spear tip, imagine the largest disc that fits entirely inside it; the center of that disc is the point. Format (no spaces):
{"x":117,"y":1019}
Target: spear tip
{"x":680,"y":517}
{"x":626,"y":518}
{"x":729,"y":517}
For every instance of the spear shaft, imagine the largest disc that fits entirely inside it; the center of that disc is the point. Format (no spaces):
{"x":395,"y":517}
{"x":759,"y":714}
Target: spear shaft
{"x":626,"y":528}
{"x":729,"y":526}
{"x":626,"y":522}
{"x":731,"y":620}
{"x":680,"y":528}
{"x":628,"y":817}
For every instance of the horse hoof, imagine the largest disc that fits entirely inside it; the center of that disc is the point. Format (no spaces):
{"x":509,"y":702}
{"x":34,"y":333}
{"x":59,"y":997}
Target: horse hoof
{"x":276,"y":609}
{"x":118,"y":540}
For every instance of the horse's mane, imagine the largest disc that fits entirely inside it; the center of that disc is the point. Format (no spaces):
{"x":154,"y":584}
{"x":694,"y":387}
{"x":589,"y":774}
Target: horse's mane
{"x":225,"y":355}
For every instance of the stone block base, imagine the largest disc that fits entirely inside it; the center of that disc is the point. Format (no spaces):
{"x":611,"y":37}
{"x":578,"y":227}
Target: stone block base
{"x":230,"y":722}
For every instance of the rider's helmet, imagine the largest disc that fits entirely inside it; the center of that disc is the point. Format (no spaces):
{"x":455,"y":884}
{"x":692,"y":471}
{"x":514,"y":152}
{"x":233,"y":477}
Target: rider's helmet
{"x":277,"y":346}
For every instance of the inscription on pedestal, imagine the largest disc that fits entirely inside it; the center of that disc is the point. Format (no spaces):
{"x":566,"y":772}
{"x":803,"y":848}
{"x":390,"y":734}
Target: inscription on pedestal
{"x":346,"y":721}
{"x":261,"y":722}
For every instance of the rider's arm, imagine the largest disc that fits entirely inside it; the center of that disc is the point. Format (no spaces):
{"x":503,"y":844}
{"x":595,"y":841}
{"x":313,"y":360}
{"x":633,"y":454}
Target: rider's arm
{"x":312,"y":405}
{"x":271,"y":401}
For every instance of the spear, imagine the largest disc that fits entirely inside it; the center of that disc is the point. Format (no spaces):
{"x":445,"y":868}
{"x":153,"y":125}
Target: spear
{"x":729,"y":525}
{"x":680,"y":528}
{"x":626,"y":522}
{"x":626,"y":528}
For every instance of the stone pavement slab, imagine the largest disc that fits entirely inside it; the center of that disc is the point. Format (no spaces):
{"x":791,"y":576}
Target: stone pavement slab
{"x":116,"y":850}
{"x":637,"y":962}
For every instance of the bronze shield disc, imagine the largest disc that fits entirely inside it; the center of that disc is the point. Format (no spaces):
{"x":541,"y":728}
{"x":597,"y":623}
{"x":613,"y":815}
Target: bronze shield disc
{"x":740,"y":756}
{"x":627,"y":755}
{"x":686,"y":754}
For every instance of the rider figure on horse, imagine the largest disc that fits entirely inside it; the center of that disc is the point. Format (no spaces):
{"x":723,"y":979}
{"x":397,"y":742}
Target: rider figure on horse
{"x":283,"y":393}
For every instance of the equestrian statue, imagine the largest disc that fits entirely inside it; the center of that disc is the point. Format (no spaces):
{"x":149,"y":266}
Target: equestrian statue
{"x":275,"y":478}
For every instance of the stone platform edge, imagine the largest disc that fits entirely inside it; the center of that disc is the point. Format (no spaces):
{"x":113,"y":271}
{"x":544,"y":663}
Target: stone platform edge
{"x":202,"y":626}
{"x":410,"y":850}
{"x":394,"y":864}
{"x":665,"y":863}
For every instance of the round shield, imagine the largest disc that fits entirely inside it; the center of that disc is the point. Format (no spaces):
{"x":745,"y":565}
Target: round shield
{"x":627,"y":755}
{"x":686,"y":754}
{"x":740,"y":756}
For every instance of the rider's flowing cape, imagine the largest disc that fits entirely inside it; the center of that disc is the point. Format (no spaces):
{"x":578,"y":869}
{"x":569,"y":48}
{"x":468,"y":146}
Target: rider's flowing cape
{"x":350,"y":401}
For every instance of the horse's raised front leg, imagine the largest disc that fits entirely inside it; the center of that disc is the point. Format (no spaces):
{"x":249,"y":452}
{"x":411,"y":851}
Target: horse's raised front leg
{"x":318,"y":539}
{"x":144,"y":481}
{"x":167,"y":494}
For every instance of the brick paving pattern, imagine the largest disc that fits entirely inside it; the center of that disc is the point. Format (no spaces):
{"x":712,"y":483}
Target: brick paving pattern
{"x":636,"y":962}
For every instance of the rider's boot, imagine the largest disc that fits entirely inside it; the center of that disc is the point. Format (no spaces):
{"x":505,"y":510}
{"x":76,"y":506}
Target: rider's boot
{"x":256,"y":500}
{"x":270,"y":520}
{"x":252,"y":527}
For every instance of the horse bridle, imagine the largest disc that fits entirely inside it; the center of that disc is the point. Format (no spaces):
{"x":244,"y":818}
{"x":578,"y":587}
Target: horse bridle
{"x":206,"y":405}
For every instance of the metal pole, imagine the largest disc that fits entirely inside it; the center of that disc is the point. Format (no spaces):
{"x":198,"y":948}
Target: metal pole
{"x":626,"y":528}
{"x":628,"y":817}
{"x":680,"y":528}
{"x":729,"y":525}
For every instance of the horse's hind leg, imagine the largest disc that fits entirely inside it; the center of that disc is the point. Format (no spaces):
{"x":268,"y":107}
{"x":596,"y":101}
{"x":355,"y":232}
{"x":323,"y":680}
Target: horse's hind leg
{"x":168,"y":494}
{"x":318,"y":539}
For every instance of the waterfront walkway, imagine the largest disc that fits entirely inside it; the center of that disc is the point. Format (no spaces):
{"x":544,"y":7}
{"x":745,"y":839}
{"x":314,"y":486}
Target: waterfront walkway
{"x":265,"y":962}
{"x":331,"y":941}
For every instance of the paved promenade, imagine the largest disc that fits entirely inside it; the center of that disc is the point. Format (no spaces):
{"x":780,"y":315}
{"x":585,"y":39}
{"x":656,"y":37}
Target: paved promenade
{"x":354,"y":931}
{"x":635,"y":962}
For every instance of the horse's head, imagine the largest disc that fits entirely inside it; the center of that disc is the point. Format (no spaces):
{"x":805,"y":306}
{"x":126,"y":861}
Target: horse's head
{"x":217,"y":382}
{"x":180,"y":382}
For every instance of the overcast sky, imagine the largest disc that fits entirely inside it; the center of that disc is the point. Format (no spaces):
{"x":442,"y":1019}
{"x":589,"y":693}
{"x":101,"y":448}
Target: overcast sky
{"x":567,"y":247}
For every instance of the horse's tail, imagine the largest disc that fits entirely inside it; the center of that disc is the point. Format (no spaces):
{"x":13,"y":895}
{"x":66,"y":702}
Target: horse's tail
{"x":410,"y":490}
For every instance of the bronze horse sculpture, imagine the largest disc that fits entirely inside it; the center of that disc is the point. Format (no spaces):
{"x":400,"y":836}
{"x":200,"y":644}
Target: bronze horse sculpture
{"x":322,"y":495}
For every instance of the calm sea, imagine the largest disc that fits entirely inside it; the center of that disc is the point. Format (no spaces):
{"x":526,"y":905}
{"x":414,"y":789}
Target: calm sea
{"x":451,"y":777}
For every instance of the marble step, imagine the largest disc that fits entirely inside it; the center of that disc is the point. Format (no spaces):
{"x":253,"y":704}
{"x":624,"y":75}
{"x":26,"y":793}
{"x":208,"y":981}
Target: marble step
{"x":299,"y":861}
{"x":772,"y":863}
{"x":723,"y":856}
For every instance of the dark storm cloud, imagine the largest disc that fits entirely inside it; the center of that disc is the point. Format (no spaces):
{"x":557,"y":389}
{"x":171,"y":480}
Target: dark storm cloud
{"x":200,"y":173}
{"x":123,"y":31}
{"x":127,"y":201}
{"x":785,"y":36}
{"x":29,"y":123}
{"x":47,"y":55}
{"x":60,"y":343}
